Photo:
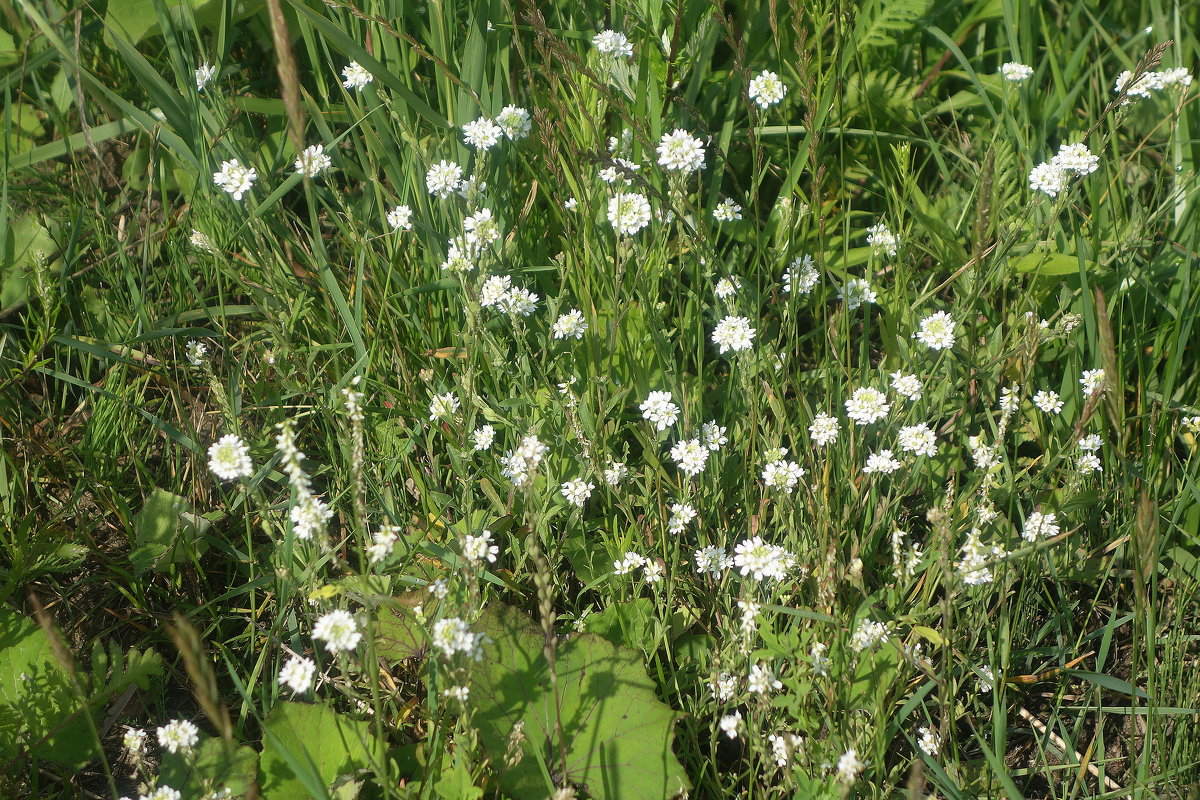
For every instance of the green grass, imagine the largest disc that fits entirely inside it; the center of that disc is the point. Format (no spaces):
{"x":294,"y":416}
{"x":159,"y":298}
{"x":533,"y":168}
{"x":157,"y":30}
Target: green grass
{"x":170,"y":594}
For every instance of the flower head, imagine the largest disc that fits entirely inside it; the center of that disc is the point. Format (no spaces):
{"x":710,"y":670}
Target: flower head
{"x":482,"y":134}
{"x":660,"y":410}
{"x":570,"y":325}
{"x":680,"y":151}
{"x":1016,"y":72}
{"x":766,"y":89}
{"x":204,"y":74}
{"x":577,"y":492}
{"x":443,"y":406}
{"x":515,"y":122}
{"x":824,"y":429}
{"x":628,"y":213}
{"x":452,"y":636}
{"x":801,"y":275}
{"x":338,"y":630}
{"x":1048,"y":402}
{"x":234,"y":178}
{"x":612,"y":44}
{"x":313,"y":161}
{"x":229,"y":458}
{"x":881,"y":240}
{"x":733,"y":333}
{"x":400,"y":218}
{"x":178,"y":735}
{"x":355,"y":77}
{"x":867,"y":405}
{"x":297,"y":674}
{"x":937,"y":331}
{"x":443,"y":178}
{"x":1040,"y":526}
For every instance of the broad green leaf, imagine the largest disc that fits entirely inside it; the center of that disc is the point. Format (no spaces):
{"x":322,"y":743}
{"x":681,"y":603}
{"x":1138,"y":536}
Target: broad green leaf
{"x":137,"y":19}
{"x":625,"y":624}
{"x":618,"y":735}
{"x":1047,"y":263}
{"x":167,"y":531}
{"x":306,"y":748}
{"x":211,"y":764}
{"x":37,"y":704}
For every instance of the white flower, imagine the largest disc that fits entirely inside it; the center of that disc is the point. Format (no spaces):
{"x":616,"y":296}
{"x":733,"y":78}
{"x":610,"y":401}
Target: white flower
{"x":383,"y":542}
{"x":400,"y":218}
{"x":443,"y":178}
{"x":762,"y":680}
{"x":918,"y":439}
{"x":681,"y":515}
{"x":520,"y":302}
{"x":1091,"y":443}
{"x":571,"y":324}
{"x":1010,"y":399}
{"x":783,"y":745}
{"x":628,"y":213}
{"x":712,"y":561}
{"x":881,"y":240}
{"x":478,"y":549}
{"x":622,"y":170}
{"x":452,"y":635}
{"x":570,"y":204}
{"x":733,"y":333}
{"x":1092,"y":381}
{"x":338,"y":630}
{"x":881,"y":462}
{"x":729,"y":724}
{"x":1040,"y":526}
{"x":229,"y":458}
{"x":177,"y":735}
{"x":577,"y":492}
{"x":849,"y":766}
{"x":355,"y":77}
{"x":782,"y":475}
{"x":234,"y":178}
{"x":161,"y":793}
{"x":987,"y":679}
{"x":482,"y":134}
{"x":756,"y":558}
{"x":937,"y":331}
{"x":518,"y":465}
{"x":867,"y":634}
{"x":613,"y":44}
{"x":856,"y":292}
{"x":713,"y":435}
{"x":974,"y":558}
{"x":824,"y":429}
{"x":801,"y":276}
{"x":820,"y":661}
{"x":1048,"y":402}
{"x":652,"y":571}
{"x":727,"y":287}
{"x":628,"y":563}
{"x":660,"y":410}
{"x":443,"y":406}
{"x":867,"y":405}
{"x":515,"y":122}
{"x":203,"y":242}
{"x":906,"y":385}
{"x":927,"y":741}
{"x":690,"y":455}
{"x":1088,"y":463}
{"x":1016,"y":72}
{"x":134,"y":741}
{"x":204,"y":74}
{"x":313,"y":161}
{"x":615,"y":472}
{"x":459,"y":694}
{"x":727,"y":211}
{"x":494,"y":290}
{"x":481,"y":228}
{"x":679,"y":150}
{"x":723,"y":687}
{"x":483,"y":436}
{"x":297,"y":674}
{"x":1076,"y":158}
{"x":1049,"y":179}
{"x":766,"y":89}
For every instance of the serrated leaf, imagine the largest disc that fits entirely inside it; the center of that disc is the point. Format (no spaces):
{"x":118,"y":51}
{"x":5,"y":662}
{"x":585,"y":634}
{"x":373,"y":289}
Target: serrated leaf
{"x":618,"y":735}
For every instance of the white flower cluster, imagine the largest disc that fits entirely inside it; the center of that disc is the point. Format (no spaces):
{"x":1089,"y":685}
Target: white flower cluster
{"x":1054,"y":176}
{"x":338,"y":630}
{"x":801,"y":276}
{"x":309,"y":514}
{"x":499,"y":293}
{"x":235,"y":178}
{"x":229,"y":458}
{"x":766,"y":89}
{"x":1149,"y":83}
{"x":520,"y":464}
{"x":881,"y":240}
{"x":974,"y":558}
{"x":452,"y":636}
{"x":178,"y":735}
{"x":755,"y":558}
{"x":660,"y":410}
{"x":652,"y":571}
{"x":1016,"y":72}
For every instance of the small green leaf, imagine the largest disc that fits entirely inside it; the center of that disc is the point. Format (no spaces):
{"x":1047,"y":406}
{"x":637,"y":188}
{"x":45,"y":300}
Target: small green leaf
{"x":1048,"y":264}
